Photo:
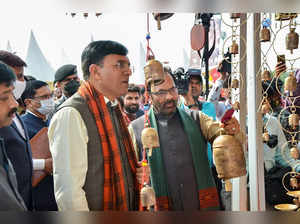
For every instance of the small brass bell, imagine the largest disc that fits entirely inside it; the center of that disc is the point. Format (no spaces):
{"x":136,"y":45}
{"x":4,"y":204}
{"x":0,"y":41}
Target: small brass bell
{"x":147,"y":196}
{"x":294,"y":153}
{"x":161,"y":16}
{"x":154,"y":73}
{"x":235,"y":84}
{"x":150,"y":139}
{"x":265,"y":34}
{"x":290,"y":83}
{"x":285,"y":16}
{"x":294,"y":182}
{"x":294,"y":120}
{"x":265,"y":75}
{"x":234,"y":48}
{"x":266,"y":137}
{"x":292,"y":40}
{"x":235,"y":16}
{"x":236,"y":106}
{"x":229,"y":157}
{"x":265,"y":108}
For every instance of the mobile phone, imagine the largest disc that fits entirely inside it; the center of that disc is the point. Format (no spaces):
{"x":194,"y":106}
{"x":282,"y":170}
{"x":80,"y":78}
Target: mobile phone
{"x":281,"y":59}
{"x":227,"y":115}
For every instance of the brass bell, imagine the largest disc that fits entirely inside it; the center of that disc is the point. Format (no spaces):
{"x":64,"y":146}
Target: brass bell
{"x":235,"y":84}
{"x":161,"y":16}
{"x":150,"y":139}
{"x":265,"y":75}
{"x":290,"y":84}
{"x":292,"y":40}
{"x":236,"y":106}
{"x":285,"y":16}
{"x":229,"y":157}
{"x":294,"y":153}
{"x":294,"y":182}
{"x":154,"y":73}
{"x":235,"y":16}
{"x":294,"y":120}
{"x":234,"y":48}
{"x":265,"y":108}
{"x":265,"y":34}
{"x":266,"y":137}
{"x":147,"y":196}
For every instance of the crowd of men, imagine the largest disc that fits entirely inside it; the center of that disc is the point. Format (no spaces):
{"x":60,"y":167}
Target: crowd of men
{"x":94,"y":137}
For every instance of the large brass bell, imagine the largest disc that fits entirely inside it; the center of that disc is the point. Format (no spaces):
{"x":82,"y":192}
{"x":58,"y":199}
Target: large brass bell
{"x":147,"y":196}
{"x":235,"y":16}
{"x":265,"y":75}
{"x":236,"y":106}
{"x":234,"y":48}
{"x":285,"y":16}
{"x":229,"y":157}
{"x":161,"y":16}
{"x":294,"y":120}
{"x":294,"y":182}
{"x":292,"y":40}
{"x":266,"y":137}
{"x":154,"y":73}
{"x":150,"y":139}
{"x":294,"y":153}
{"x":235,"y":84}
{"x":265,"y":34}
{"x":290,"y":83}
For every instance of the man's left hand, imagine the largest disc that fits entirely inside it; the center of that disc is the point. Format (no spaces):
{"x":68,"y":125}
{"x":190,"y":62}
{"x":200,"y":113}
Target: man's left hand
{"x":232,"y":126}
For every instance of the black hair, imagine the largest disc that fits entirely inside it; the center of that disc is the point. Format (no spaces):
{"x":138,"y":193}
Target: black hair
{"x":11,"y":59}
{"x":7,"y":76}
{"x":134,"y":88}
{"x":95,"y":52}
{"x":31,"y":87}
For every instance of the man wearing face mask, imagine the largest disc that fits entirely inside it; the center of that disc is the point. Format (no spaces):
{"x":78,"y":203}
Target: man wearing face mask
{"x":67,"y":80}
{"x":39,"y":104}
{"x":15,"y":136}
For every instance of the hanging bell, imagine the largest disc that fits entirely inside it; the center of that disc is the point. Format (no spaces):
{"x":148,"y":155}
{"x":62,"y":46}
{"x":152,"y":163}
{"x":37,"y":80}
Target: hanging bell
{"x":235,"y":16}
{"x":161,"y":16}
{"x":265,"y":75}
{"x":294,"y":120}
{"x":265,"y":34}
{"x":85,"y":15}
{"x":236,"y":106}
{"x":98,"y":14}
{"x":154,"y":73}
{"x":234,"y":48}
{"x":265,"y":108}
{"x":294,"y":182}
{"x":290,"y":84}
{"x":235,"y":84}
{"x":150,"y":139}
{"x":73,"y":14}
{"x":229,"y":157}
{"x":294,"y":153}
{"x":292,"y":40}
{"x":266,"y":137}
{"x":147,"y":196}
{"x":285,"y":16}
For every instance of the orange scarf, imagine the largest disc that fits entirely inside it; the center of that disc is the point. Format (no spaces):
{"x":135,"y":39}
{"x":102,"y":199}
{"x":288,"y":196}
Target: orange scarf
{"x":114,"y":194}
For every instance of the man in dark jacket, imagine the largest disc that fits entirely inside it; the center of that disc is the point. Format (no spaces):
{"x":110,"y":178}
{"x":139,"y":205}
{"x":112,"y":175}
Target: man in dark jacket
{"x":10,"y":197}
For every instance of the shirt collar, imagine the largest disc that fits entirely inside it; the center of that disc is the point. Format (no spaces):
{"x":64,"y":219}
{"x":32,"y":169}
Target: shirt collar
{"x":113,"y":103}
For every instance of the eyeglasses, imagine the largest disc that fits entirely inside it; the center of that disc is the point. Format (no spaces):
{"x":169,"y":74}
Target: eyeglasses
{"x":164,"y":93}
{"x":123,"y":66}
{"x":44,"y":97}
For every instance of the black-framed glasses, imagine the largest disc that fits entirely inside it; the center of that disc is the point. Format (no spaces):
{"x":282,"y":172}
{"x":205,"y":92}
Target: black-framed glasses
{"x":164,"y":93}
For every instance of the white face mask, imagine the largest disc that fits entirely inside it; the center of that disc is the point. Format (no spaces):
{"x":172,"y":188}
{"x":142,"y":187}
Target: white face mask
{"x":19,"y":88}
{"x":47,"y":106}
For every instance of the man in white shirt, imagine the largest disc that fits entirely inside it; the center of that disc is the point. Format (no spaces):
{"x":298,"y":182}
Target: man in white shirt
{"x":94,"y":164}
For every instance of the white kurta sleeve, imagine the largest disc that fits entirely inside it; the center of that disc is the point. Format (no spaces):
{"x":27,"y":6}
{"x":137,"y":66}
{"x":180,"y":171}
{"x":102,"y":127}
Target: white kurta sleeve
{"x":68,"y":145}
